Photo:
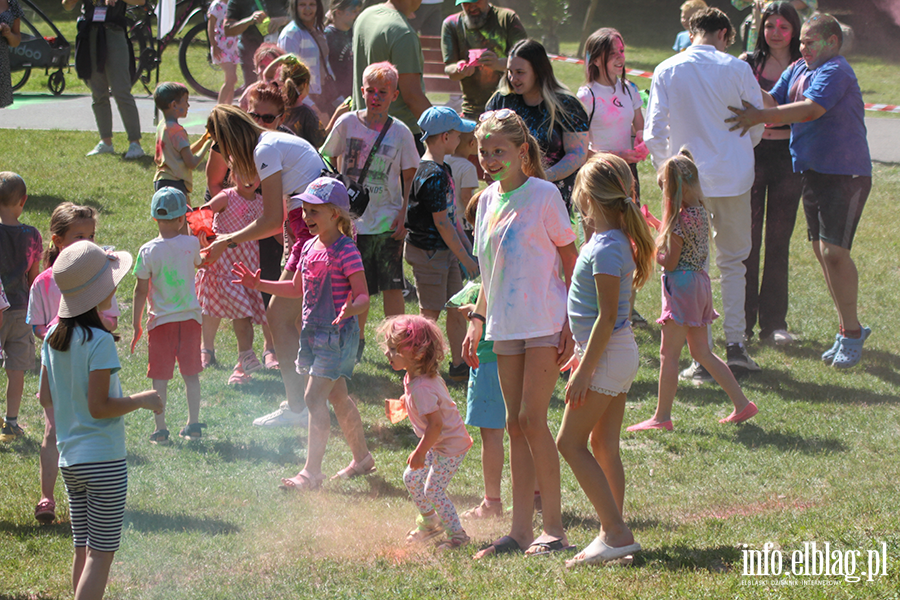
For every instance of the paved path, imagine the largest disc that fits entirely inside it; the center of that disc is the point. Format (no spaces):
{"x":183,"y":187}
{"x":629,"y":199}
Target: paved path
{"x":73,"y":112}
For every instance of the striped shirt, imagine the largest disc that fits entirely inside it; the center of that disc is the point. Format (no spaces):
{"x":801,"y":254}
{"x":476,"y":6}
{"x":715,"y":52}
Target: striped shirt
{"x":340,"y":260}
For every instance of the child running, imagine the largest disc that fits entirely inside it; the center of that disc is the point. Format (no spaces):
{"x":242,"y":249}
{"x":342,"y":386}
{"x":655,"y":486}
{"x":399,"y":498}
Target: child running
{"x":80,"y":385}
{"x":687,"y":311}
{"x":221,"y":298}
{"x":331,"y":281}
{"x":69,"y":223}
{"x":414,"y":344}
{"x":526,"y":253}
{"x":618,"y":255}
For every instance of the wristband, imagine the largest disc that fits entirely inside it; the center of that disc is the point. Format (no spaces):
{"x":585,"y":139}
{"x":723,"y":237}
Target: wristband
{"x":474,"y":315}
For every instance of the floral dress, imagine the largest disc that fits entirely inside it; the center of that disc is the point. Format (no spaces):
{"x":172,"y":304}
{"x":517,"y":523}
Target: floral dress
{"x":218,"y":295}
{"x":8,"y":16}
{"x":227,"y":44}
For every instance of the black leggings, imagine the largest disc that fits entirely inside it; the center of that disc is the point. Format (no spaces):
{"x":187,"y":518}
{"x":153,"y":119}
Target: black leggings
{"x":774,"y":199}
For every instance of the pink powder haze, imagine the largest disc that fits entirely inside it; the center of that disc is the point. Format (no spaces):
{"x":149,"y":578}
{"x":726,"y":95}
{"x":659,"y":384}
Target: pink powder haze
{"x":891,"y":7}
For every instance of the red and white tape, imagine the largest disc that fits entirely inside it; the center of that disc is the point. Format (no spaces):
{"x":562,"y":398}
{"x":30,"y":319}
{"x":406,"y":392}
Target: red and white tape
{"x":890,"y":108}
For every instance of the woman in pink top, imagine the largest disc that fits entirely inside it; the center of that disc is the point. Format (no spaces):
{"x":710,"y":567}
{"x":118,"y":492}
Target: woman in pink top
{"x":414,"y":344}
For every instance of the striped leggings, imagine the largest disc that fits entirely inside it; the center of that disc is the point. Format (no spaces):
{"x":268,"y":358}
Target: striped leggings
{"x":97,"y":503}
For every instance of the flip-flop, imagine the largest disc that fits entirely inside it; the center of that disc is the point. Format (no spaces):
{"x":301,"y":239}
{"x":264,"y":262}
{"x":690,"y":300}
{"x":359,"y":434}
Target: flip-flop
{"x":505,"y":545}
{"x":357,"y":469}
{"x":598,"y":552}
{"x":549,"y":547}
{"x":302,"y":481}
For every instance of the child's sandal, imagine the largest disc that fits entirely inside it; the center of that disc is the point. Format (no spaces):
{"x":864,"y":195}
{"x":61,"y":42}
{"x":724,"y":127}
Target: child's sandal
{"x":207,"y":358}
{"x":249,"y":363}
{"x":160,"y":436}
{"x":238,"y":377}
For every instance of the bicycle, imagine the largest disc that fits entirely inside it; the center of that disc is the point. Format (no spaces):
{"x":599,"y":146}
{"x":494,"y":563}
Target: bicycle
{"x":194,"y":55}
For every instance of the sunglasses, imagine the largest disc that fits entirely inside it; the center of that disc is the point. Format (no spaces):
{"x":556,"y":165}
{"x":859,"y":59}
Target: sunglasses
{"x":501,"y":114}
{"x":265,"y":118}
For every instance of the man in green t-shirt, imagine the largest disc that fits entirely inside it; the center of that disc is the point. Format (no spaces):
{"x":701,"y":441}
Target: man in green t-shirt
{"x":479,"y":26}
{"x":383,"y":32}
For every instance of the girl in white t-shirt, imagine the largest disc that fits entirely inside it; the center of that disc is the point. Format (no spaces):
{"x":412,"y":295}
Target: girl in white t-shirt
{"x":613,"y":103}
{"x":415,"y":344}
{"x":69,"y":223}
{"x":524,"y":241}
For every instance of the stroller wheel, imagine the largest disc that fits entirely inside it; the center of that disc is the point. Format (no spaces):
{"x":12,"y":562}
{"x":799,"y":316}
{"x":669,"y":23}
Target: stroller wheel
{"x":57,"y":82}
{"x":24,"y":75}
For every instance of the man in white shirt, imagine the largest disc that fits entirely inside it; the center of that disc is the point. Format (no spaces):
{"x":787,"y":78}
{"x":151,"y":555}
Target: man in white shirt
{"x":690,"y":91}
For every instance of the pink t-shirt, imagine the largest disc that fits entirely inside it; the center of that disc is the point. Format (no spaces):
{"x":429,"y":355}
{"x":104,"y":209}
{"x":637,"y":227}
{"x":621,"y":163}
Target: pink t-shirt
{"x":424,"y":395}
{"x":340,"y":260}
{"x":43,"y":302}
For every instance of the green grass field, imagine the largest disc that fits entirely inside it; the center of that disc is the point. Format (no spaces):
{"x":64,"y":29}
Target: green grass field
{"x":206,"y":520}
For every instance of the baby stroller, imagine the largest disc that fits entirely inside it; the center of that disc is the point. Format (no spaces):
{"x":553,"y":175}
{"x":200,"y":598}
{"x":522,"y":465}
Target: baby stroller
{"x":39,"y":52}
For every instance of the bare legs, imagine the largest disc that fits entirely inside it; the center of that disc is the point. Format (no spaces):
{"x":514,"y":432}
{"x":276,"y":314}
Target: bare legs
{"x":527,"y":381}
{"x":600,"y":474}
{"x":49,"y":456}
{"x":90,"y":573}
{"x":842,"y":279}
{"x":492,"y":460}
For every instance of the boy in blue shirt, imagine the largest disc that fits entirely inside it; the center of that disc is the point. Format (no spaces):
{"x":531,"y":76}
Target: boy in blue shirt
{"x":820,"y":97}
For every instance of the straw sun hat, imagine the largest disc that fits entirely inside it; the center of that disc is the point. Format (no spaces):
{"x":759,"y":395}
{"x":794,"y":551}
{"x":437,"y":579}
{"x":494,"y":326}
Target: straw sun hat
{"x":86,"y":275}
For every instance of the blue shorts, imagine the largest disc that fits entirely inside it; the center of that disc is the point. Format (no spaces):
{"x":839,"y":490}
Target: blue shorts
{"x":484,"y":399}
{"x":328,"y":352}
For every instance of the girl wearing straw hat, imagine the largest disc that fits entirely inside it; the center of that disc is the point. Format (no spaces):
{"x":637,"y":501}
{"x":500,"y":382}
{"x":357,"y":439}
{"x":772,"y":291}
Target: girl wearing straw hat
{"x":79,"y":381}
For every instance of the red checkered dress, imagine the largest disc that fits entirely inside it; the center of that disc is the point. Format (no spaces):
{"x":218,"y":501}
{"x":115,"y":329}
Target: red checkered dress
{"x":218,"y":296}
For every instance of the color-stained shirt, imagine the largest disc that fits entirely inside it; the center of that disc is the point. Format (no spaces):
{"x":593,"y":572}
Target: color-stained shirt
{"x":352,"y":141}
{"x":432,"y":192}
{"x":383,"y":33}
{"x":20,"y":247}
{"x":516,"y":240}
{"x":611,"y":113}
{"x":80,"y":437}
{"x":171,"y":139}
{"x":424,"y":395}
{"x":500,"y":32}
{"x":606,"y":253}
{"x":340,"y":57}
{"x":836,"y":142}
{"x":169,"y":264}
{"x":341,"y":260}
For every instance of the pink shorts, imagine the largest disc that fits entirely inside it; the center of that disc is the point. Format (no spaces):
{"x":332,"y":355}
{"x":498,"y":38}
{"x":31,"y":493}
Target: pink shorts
{"x":170,"y":341}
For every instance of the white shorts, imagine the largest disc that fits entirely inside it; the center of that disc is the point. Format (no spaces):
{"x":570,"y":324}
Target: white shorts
{"x":618,"y":366}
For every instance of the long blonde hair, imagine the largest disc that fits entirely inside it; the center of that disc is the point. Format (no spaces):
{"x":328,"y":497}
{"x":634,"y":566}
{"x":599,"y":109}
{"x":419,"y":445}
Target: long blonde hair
{"x":237,"y":135}
{"x":679,"y":177}
{"x":514,"y":129}
{"x":604,"y":188}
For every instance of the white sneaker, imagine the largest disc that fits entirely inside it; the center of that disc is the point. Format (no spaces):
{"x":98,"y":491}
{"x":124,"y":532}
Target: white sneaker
{"x":284,"y":417}
{"x":101,"y":148}
{"x":783,"y":338}
{"x":134,"y":151}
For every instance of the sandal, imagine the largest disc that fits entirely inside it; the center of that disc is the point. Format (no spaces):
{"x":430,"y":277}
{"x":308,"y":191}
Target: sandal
{"x":427,"y":528}
{"x":598,"y":552}
{"x":548,"y":547}
{"x":45,"y":511}
{"x":850,"y":352}
{"x":238,"y":377}
{"x":505,"y":545}
{"x":458,"y":539}
{"x":207,"y":358}
{"x":357,"y":469}
{"x":249,"y":362}
{"x":270,"y":360}
{"x":192,"y":431}
{"x":302,"y":481}
{"x":160,"y":436}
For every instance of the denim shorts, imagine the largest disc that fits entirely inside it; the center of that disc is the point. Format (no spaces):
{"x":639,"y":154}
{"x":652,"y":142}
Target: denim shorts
{"x":328,"y":352}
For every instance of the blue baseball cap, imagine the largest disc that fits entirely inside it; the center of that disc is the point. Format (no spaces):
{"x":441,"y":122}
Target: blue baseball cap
{"x":168,"y":203}
{"x":441,"y":119}
{"x":326,"y":190}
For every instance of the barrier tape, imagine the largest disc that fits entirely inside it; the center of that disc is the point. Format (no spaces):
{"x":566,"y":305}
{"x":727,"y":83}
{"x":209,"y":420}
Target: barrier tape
{"x":889,"y":108}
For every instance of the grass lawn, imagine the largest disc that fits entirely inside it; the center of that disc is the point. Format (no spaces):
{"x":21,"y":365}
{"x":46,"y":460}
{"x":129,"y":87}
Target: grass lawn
{"x":206,"y":520}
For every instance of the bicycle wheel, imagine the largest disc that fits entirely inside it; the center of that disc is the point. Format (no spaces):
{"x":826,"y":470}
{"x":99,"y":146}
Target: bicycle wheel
{"x":195,"y":59}
{"x":137,"y":34}
{"x":25,"y":74}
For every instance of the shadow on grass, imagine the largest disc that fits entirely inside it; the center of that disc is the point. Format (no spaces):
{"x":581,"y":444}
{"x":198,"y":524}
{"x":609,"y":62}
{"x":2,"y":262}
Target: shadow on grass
{"x":689,"y":558}
{"x":782,"y":381}
{"x":36,"y":530}
{"x":46,"y":204}
{"x":376,"y":487}
{"x":752,"y":436}
{"x":152,"y":522}
{"x":249,"y":451}
{"x":24,"y":445}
